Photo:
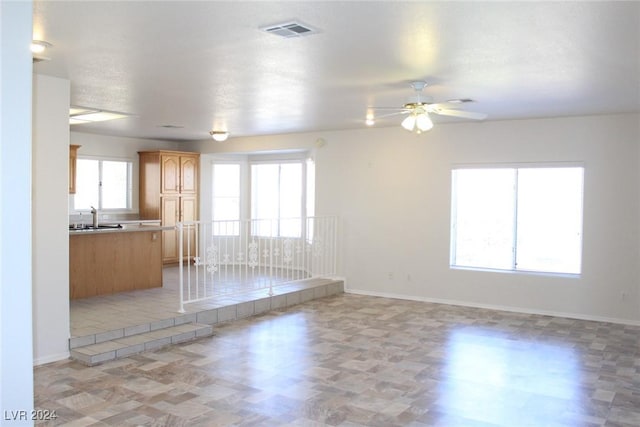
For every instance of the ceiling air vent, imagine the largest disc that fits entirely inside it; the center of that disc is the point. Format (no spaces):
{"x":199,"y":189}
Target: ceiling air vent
{"x":290,"y":29}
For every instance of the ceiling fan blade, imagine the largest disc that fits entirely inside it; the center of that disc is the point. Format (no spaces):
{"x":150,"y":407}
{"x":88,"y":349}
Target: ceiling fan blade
{"x":458,"y":113}
{"x":396,"y":113}
{"x":386,"y":108}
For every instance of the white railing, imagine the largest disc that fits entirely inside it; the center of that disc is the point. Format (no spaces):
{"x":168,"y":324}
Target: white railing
{"x":227,"y":257}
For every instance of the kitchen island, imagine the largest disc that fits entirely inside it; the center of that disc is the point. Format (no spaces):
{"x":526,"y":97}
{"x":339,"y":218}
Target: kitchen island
{"x":114,"y":259}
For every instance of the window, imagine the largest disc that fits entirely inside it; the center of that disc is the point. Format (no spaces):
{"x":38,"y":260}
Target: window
{"x":277,"y":193}
{"x":104,"y":184}
{"x":527,"y":219}
{"x":226,"y":199}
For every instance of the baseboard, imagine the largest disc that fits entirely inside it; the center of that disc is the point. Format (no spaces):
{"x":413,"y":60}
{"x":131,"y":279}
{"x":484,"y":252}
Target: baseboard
{"x":51,"y":358}
{"x":577,"y":316}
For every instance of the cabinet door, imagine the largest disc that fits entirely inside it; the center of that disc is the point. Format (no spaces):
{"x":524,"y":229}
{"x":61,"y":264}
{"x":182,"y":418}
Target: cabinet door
{"x":188,"y":175}
{"x":73,"y":157}
{"x":170,"y":180}
{"x":189,"y":212}
{"x":170,"y":206}
{"x":150,"y":182}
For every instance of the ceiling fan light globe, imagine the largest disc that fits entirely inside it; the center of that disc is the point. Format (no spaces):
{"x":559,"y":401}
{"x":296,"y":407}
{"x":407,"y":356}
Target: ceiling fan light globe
{"x":409,"y":123}
{"x":424,"y":123}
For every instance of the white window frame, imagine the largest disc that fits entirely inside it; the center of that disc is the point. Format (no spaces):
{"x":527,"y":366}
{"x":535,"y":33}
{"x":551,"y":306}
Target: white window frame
{"x":100,"y":159}
{"x":514,"y":267}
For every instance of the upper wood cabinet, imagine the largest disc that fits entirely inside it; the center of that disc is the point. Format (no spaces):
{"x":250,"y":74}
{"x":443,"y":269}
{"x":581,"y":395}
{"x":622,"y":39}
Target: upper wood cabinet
{"x":73,"y":158}
{"x":170,"y":177}
{"x":189,"y":174}
{"x":179,"y":173}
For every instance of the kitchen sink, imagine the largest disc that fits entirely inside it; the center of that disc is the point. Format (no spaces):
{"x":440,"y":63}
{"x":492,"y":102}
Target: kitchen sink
{"x":91,"y":227}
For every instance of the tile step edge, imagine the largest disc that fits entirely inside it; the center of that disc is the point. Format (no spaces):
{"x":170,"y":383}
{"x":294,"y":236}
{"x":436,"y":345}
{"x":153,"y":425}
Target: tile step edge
{"x":117,"y":348}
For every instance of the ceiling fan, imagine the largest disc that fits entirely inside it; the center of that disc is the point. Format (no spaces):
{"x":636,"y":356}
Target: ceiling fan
{"x":418,"y":109}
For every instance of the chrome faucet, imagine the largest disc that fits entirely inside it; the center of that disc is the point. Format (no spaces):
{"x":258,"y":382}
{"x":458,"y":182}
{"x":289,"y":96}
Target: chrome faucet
{"x":94,"y":212}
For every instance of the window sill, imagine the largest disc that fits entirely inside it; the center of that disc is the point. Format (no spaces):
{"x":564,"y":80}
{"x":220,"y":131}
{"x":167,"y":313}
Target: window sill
{"x":517,"y":272}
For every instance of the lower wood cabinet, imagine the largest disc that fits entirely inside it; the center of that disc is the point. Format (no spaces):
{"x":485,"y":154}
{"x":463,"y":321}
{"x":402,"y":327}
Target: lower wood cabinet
{"x":111,"y":262}
{"x":175,"y":209}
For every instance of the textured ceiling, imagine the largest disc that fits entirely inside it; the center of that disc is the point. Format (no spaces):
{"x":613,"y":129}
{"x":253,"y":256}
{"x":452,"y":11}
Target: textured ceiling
{"x":206,"y":65}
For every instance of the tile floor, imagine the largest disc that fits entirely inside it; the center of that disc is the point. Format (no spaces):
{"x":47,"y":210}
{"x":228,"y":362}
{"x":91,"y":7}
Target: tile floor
{"x":353,"y":360}
{"x":103,"y":314}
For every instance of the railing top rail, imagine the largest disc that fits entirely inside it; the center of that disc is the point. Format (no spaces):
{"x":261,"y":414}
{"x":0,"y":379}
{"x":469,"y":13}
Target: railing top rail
{"x":256,"y":219}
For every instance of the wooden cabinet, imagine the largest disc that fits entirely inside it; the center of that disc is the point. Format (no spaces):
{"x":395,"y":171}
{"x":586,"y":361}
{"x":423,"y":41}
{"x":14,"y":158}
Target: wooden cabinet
{"x":179,"y":174}
{"x":110,"y":262}
{"x":73,"y":158}
{"x":170,"y":215}
{"x":169,"y":192}
{"x":170,"y":177}
{"x":189,"y":175}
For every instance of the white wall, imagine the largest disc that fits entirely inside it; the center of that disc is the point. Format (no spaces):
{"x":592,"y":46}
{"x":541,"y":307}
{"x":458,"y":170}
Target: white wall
{"x":119,"y":148}
{"x":16,"y":363}
{"x":392,"y":192}
{"x":49,"y":218}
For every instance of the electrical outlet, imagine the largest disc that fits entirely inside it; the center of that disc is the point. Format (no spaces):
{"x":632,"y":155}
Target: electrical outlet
{"x":390,"y":275}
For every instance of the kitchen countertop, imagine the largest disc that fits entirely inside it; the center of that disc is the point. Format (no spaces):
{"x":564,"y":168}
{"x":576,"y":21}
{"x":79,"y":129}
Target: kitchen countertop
{"x":126,"y":227}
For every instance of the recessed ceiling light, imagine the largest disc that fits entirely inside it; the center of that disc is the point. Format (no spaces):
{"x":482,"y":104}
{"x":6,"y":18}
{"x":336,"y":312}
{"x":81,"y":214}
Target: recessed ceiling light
{"x":81,"y":115}
{"x":38,"y":49}
{"x":39,"y":46}
{"x":74,"y":121}
{"x":74,"y":111}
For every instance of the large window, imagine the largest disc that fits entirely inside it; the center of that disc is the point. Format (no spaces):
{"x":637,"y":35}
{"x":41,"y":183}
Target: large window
{"x":226,"y":199}
{"x":103,"y":184}
{"x":277,"y":193}
{"x":526,"y":219}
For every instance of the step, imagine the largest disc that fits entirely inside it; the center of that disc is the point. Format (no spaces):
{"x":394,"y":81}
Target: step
{"x":133,"y":344}
{"x":120,"y":342}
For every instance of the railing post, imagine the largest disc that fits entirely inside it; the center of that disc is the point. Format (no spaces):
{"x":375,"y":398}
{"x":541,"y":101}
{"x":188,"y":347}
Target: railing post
{"x":335,"y":245}
{"x":271,"y":261}
{"x":180,"y":268}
